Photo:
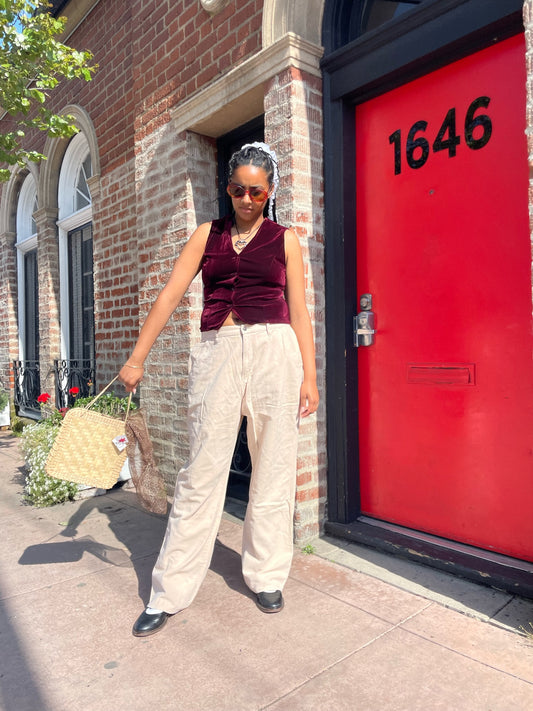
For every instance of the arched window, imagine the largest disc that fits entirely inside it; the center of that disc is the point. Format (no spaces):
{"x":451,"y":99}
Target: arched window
{"x":374,"y":13}
{"x":28,"y":381}
{"x":76,"y":169}
{"x":349,"y":20}
{"x":27,"y":205}
{"x":76,"y":366}
{"x":83,"y":196}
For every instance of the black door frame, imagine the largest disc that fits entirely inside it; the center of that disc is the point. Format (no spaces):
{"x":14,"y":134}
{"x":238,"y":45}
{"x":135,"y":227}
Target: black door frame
{"x":419,"y":42}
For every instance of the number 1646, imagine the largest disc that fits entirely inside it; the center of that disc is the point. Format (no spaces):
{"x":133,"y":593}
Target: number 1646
{"x":417,"y":148}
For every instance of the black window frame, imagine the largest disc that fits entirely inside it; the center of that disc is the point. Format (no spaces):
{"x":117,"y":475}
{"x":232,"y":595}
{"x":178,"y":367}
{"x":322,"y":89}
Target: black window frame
{"x":31,"y":305}
{"x":81,"y":294}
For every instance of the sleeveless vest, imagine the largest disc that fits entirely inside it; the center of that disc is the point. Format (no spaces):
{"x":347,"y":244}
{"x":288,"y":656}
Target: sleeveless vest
{"x":250,"y":284}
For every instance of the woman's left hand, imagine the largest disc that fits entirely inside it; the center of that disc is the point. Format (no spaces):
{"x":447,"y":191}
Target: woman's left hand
{"x":131,"y":376}
{"x":308,"y":398}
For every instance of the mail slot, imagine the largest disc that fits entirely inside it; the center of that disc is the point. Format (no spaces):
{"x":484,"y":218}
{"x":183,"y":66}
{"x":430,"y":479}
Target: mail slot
{"x":441,"y":374}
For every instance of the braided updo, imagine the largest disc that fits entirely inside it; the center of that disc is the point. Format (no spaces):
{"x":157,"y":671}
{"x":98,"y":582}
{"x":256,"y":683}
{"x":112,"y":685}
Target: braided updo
{"x":261,"y":156}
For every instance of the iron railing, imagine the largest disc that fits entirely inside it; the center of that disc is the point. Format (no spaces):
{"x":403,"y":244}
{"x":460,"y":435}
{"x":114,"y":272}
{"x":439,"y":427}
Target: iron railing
{"x":27,"y":387}
{"x":73,"y":374}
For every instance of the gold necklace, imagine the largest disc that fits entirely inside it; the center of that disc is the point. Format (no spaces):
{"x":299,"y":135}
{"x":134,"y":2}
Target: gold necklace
{"x":241,"y":243}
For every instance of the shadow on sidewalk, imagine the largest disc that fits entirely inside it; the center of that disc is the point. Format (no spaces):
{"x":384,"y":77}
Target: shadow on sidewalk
{"x":17,"y":672}
{"x":6,"y":443}
{"x":138,"y":533}
{"x":227,"y":564}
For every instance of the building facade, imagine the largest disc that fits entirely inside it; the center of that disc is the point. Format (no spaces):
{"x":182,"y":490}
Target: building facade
{"x":89,"y":237}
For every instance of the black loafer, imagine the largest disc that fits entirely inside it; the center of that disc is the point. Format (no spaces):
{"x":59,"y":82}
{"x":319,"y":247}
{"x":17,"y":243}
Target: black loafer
{"x":269,"y":601}
{"x":149,"y":624}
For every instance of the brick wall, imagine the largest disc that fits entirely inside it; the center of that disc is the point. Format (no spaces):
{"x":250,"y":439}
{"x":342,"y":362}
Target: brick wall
{"x":178,"y":48}
{"x":108,"y":98}
{"x":175,"y":191}
{"x":293,"y":127}
{"x":109,"y":101}
{"x":8,"y":305}
{"x":115,"y":268}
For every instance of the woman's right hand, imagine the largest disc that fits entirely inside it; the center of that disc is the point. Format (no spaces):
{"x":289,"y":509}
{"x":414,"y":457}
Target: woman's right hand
{"x":131,"y":377}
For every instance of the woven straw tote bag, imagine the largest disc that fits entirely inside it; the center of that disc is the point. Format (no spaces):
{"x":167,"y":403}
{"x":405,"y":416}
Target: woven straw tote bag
{"x":90,"y":448}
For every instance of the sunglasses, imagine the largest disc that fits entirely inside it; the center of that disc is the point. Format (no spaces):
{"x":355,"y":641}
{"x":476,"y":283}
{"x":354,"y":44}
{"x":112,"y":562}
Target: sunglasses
{"x":238,"y":191}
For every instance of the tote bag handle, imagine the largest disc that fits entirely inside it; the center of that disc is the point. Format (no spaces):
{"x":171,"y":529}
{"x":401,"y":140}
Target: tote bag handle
{"x":90,"y":404}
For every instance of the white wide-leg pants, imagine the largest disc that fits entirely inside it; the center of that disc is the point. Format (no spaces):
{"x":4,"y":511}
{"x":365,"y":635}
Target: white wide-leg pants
{"x":238,"y":370}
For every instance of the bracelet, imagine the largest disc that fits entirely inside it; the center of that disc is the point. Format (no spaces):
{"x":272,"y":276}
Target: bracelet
{"x":128,"y":365}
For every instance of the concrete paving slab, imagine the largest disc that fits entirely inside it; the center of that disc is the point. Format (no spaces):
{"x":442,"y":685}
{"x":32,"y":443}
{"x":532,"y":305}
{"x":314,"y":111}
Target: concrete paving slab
{"x":346,"y":639}
{"x":449,"y":590}
{"x":65,"y":630}
{"x":475,"y":639}
{"x":221,"y":653}
{"x":370,"y":594}
{"x":230,"y":534}
{"x":87,"y":535}
{"x":12,"y":474}
{"x":24,"y":547}
{"x":9,"y":447}
{"x":402,"y":672}
{"x":517,"y":615}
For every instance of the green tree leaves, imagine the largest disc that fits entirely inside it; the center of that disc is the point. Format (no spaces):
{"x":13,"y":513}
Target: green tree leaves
{"x":32,"y":63}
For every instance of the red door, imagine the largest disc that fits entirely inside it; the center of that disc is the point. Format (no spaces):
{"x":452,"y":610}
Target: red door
{"x":443,"y":246}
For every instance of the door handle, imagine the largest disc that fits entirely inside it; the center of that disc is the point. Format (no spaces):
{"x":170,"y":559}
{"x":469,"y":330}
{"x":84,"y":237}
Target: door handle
{"x":364,"y":323}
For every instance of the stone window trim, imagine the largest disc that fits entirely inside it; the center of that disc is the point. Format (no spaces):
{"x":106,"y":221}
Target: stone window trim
{"x":301,"y":17}
{"x":69,"y":218}
{"x":72,"y":177}
{"x":26,"y":242}
{"x":26,"y":207}
{"x":238,"y":96}
{"x":55,"y":150}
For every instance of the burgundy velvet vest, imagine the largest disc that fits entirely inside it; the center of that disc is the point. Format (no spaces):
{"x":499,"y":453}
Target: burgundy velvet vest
{"x":250,"y":284}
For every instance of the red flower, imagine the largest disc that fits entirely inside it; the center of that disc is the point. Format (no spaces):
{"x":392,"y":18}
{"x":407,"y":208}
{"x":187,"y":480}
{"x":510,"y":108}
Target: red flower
{"x":74,"y":391}
{"x":43,"y":398}
{"x":63,"y":411}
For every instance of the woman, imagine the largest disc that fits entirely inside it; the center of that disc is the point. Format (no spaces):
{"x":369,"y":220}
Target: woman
{"x":256,"y":358}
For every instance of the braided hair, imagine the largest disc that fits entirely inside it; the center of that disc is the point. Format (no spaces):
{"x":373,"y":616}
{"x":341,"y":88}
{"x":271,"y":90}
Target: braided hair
{"x":261,"y":156}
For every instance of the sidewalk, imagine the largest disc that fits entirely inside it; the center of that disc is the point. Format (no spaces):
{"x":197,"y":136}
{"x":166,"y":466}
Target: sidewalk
{"x":396,"y":636}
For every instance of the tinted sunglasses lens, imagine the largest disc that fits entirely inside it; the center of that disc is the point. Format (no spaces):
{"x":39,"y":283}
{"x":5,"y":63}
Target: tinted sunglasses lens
{"x":236,"y":191}
{"x":257,"y":195}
